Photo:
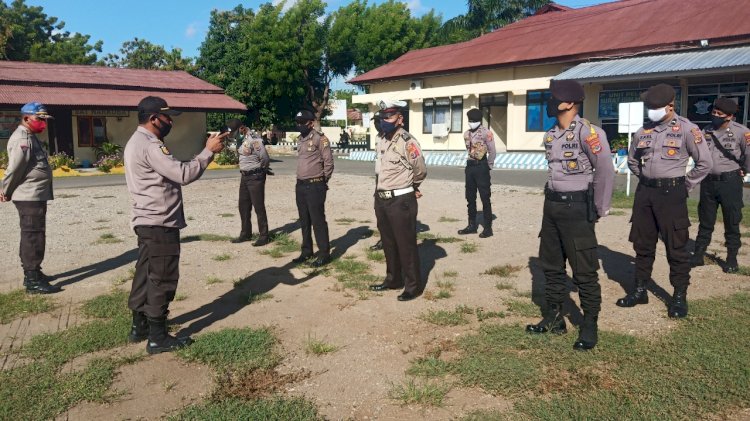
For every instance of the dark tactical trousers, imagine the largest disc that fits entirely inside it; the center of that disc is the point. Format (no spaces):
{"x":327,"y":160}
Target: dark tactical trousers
{"x":728,"y":194}
{"x":397,"y":223}
{"x":33,"y":218}
{"x":253,"y":195}
{"x":478,"y":178}
{"x":661,"y":212}
{"x":567,"y":234}
{"x":157,"y":270}
{"x":311,"y":201}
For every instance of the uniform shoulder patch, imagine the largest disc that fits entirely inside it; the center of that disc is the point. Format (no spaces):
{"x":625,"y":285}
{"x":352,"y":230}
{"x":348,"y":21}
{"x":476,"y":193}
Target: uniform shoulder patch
{"x":490,"y":136}
{"x":747,"y":137}
{"x":257,"y":145}
{"x":594,"y":143}
{"x":413,"y":150}
{"x":164,"y":150}
{"x":697,"y":135}
{"x":324,"y":142}
{"x":405,"y":135}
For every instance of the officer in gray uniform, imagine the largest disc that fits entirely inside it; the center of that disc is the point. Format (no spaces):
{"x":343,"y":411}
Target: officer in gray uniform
{"x":254,"y":163}
{"x":728,"y":142}
{"x":480,"y":145}
{"x":376,"y":122}
{"x":658,"y":156}
{"x":314,"y":169}
{"x":401,"y":170}
{"x":28,"y":183}
{"x":154,"y":178}
{"x":578,"y":192}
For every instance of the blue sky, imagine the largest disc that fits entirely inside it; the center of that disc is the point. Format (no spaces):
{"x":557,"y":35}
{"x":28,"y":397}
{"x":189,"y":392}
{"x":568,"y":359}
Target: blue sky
{"x":183,"y":24}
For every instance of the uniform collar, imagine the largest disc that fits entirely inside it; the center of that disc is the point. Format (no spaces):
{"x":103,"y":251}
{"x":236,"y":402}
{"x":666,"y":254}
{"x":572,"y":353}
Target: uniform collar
{"x":308,"y":137}
{"x":558,"y":132}
{"x":148,"y":134}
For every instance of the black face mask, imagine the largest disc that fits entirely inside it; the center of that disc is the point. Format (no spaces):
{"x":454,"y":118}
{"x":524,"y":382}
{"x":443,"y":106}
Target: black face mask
{"x":164,"y":128}
{"x":552,"y":104}
{"x":304,"y":129}
{"x":717,"y":121}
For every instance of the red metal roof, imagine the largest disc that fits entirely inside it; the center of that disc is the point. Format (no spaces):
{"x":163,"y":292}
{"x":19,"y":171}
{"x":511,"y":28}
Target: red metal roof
{"x":602,"y":31}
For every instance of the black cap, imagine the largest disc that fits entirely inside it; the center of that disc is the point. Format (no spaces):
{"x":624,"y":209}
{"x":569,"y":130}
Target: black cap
{"x":474,"y":114}
{"x":658,"y":96}
{"x":567,"y":90}
{"x":304,"y":115}
{"x":726,"y":106}
{"x":155,"y":105}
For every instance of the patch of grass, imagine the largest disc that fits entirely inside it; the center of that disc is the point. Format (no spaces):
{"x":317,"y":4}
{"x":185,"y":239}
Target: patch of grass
{"x":439,"y":295}
{"x":205,"y":237}
{"x":211,"y":280}
{"x":101,"y":228}
{"x":234,"y":349}
{"x":375,"y":255}
{"x":190,"y":218}
{"x":226,"y":215}
{"x":522,"y":294}
{"x":523,"y":308}
{"x":108,"y":238}
{"x":487,"y":415}
{"x":222,"y":257}
{"x":483,"y":315}
{"x":65,"y":345}
{"x":616,"y":213}
{"x":504,"y":285}
{"x":437,"y":238}
{"x":446,"y":285}
{"x":101,"y":220}
{"x":430,"y":366}
{"x":273,"y":409}
{"x":447,"y":318}
{"x":17,"y":304}
{"x":318,"y":347}
{"x":180,"y":297}
{"x":344,"y":221}
{"x":103,"y":197}
{"x":622,"y":201}
{"x":503,"y":271}
{"x":108,"y":306}
{"x":65,"y":196}
{"x":448,"y":219}
{"x":744,"y":270}
{"x":469,"y":247}
{"x":353,"y":274}
{"x":426,"y":393}
{"x":122,"y":279}
{"x":450,"y":274}
{"x":282,"y":243}
{"x":261,"y":296}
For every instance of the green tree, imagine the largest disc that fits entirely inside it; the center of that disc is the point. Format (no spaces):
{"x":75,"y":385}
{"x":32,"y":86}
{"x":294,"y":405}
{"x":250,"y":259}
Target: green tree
{"x":142,"y":54}
{"x":484,"y":16}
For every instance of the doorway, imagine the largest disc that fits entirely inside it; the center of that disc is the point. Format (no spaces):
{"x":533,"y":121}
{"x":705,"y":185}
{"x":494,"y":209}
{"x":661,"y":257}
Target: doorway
{"x":61,"y":131}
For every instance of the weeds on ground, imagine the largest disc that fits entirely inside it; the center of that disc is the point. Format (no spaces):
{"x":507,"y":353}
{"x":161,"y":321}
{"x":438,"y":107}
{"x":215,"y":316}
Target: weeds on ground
{"x":180,"y":297}
{"x":448,"y":318}
{"x":205,"y":237}
{"x":522,"y":308}
{"x":211,"y":280}
{"x":503,"y":271}
{"x":437,"y":238}
{"x":450,"y":274}
{"x":448,"y":219}
{"x":278,"y":408}
{"x":226,"y":215}
{"x":502,"y":286}
{"x":17,"y":304}
{"x":107,"y":238}
{"x":222,"y":257}
{"x":318,"y":347}
{"x":344,"y":221}
{"x":281,"y":244}
{"x":469,"y":247}
{"x":234,"y":349}
{"x":423,"y":393}
{"x":254,"y":298}
{"x":375,"y":255}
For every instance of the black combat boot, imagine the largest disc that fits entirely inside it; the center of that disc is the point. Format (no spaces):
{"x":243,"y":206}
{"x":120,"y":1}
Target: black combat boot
{"x":139,"y":328}
{"x":36,"y":284}
{"x":470,"y":229}
{"x":588,"y":333}
{"x":159,"y":340}
{"x":697,"y":258}
{"x":486,"y":232}
{"x":553,"y":321}
{"x":731,"y":266}
{"x":678,"y":308}
{"x":639,"y":296}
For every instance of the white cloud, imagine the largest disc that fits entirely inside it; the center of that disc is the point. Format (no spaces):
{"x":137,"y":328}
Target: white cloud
{"x":287,"y":5}
{"x":415,"y":6}
{"x":191,"y":30}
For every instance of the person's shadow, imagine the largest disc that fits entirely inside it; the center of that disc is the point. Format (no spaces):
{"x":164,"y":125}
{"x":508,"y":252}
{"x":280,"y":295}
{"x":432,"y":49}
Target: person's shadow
{"x":429,"y":253}
{"x":620,"y":268}
{"x":480,"y":218}
{"x":342,"y":244}
{"x":94,"y":269}
{"x":538,"y":283}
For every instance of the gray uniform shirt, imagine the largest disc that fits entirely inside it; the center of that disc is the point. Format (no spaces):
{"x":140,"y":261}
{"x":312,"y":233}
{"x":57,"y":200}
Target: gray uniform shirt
{"x":29,"y":175}
{"x":401,"y":162}
{"x":734,"y":138}
{"x":378,"y":153}
{"x":253,"y":154}
{"x":661,"y":150}
{"x":577,"y":156}
{"x":314,"y":156}
{"x":480,"y":143}
{"x":155,"y":177}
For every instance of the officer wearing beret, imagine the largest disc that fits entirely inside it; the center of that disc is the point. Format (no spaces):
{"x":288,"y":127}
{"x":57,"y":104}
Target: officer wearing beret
{"x":314,"y":169}
{"x":658,"y":156}
{"x":401,"y":169}
{"x":28,"y":183}
{"x":254,"y":161}
{"x":578,"y":192}
{"x":481,"y":148}
{"x":728,"y":142}
{"x":154,"y":178}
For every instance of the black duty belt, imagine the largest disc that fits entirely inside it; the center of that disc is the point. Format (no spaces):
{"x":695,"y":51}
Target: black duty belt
{"x":568,"y":196}
{"x":312,"y":180}
{"x":662,"y":182}
{"x":471,"y":162}
{"x":725,"y":176}
{"x":253,"y":172}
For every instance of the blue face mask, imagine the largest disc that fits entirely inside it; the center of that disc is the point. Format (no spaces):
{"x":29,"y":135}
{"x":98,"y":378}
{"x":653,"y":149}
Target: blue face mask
{"x":388,"y":127}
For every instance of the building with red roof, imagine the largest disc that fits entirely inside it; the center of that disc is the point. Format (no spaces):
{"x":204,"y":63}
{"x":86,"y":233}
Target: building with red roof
{"x":616,"y":50}
{"x":94,"y":104}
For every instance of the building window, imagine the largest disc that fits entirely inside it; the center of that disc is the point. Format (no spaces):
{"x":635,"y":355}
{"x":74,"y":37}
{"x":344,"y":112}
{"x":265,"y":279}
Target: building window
{"x":457,"y":114}
{"x":92,"y":131}
{"x":701,"y":98}
{"x":446,"y":111}
{"x":428,"y":111}
{"x":536,"y":111}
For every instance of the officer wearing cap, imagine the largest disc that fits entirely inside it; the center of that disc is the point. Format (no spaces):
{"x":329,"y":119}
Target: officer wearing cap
{"x":481,"y":148}
{"x":658,"y":156}
{"x":578,"y":192}
{"x":401,"y":169}
{"x":376,"y":122}
{"x":254,"y":163}
{"x":28,"y":183}
{"x":154,"y":178}
{"x":728,"y":142}
{"x":314,"y":169}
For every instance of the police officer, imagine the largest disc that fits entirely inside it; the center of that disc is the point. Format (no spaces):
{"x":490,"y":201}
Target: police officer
{"x":376,"y":122}
{"x":401,"y":169}
{"x":658,"y":156}
{"x":28,"y":183}
{"x":254,"y":163}
{"x":154,"y":178}
{"x":578,"y":192}
{"x":727,"y":141}
{"x":481,"y":148}
{"x":314,"y":169}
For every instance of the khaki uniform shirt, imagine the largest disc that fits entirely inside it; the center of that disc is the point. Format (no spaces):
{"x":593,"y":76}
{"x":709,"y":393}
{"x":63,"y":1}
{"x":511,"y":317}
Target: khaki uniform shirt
{"x":578,"y":156}
{"x":253,"y":154}
{"x":29,"y":175}
{"x":661,"y":150}
{"x":155,"y":177}
{"x":314,"y":156}
{"x":480,"y":144}
{"x":401,"y":162}
{"x":735,"y":139}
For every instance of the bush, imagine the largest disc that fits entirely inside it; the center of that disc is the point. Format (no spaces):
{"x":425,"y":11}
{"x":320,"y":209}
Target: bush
{"x":107,"y":149}
{"x":106,"y":163}
{"x":61,"y":159}
{"x":227,"y":157}
{"x":3,"y":160}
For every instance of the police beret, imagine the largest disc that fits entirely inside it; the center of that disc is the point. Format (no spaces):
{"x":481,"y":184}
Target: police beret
{"x":658,"y":96}
{"x":726,"y":106}
{"x":304,"y":115}
{"x":474,"y":114}
{"x":567,"y":90}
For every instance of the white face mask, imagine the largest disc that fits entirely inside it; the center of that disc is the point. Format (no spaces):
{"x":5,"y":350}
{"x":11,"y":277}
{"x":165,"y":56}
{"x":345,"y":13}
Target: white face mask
{"x":657,"y":115}
{"x":474,"y":124}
